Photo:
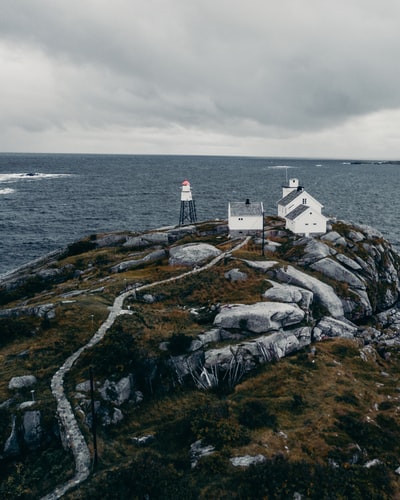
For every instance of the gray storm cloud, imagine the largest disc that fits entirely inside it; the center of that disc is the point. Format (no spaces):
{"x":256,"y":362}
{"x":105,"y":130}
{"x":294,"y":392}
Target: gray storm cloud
{"x":257,"y":68}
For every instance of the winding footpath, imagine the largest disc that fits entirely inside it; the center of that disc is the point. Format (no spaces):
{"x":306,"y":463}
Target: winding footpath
{"x":72,"y":435}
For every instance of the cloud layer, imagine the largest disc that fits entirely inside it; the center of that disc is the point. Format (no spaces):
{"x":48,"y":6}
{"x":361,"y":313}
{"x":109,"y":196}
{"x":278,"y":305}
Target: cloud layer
{"x":223,"y":76}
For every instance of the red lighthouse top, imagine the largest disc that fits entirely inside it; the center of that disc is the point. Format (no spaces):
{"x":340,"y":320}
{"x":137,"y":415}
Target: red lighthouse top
{"x":185,"y":183}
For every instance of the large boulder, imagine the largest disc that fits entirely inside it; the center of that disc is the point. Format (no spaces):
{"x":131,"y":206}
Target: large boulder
{"x":146,"y":240}
{"x":192,"y":254}
{"x":43,"y":311}
{"x":117,"y":392}
{"x":323,"y":293}
{"x":314,"y":250}
{"x":261,"y":265}
{"x":32,"y":429}
{"x":258,"y":351}
{"x":199,"y":450}
{"x":289,"y":293}
{"x":235,"y":275}
{"x":337,"y":271}
{"x":332,"y":327}
{"x":12,"y":447}
{"x":132,"y":264}
{"x":247,"y":460}
{"x":110,"y":240}
{"x":22,"y":382}
{"x":260,"y":317}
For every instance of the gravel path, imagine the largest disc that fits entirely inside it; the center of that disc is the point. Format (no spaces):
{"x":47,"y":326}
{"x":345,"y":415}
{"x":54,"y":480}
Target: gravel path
{"x":69,"y":426}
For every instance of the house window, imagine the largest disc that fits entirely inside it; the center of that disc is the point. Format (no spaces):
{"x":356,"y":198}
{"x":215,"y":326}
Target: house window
{"x":304,"y":201}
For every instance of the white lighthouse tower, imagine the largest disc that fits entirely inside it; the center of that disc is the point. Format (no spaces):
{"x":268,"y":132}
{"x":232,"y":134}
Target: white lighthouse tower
{"x":188,"y":206}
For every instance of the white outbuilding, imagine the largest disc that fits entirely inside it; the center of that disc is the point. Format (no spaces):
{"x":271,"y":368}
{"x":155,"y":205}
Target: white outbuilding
{"x":301,"y":211}
{"x":245,"y":218}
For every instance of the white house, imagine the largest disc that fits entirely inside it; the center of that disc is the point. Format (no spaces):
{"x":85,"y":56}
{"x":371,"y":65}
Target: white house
{"x":245,"y":217}
{"x":301,"y":211}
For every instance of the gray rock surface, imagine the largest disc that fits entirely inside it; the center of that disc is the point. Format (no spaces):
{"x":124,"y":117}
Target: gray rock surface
{"x":12,"y":447}
{"x":235,"y":275}
{"x":198,"y":450}
{"x":111,"y":240}
{"x":336,"y":271}
{"x":247,"y":460}
{"x":352,"y":264}
{"x":261,"y":265}
{"x":289,"y":293}
{"x":32,"y":429}
{"x":260,"y":317}
{"x":334,"y":238}
{"x":322,"y":292}
{"x":332,"y":327}
{"x":146,"y":240}
{"x":116,"y":392}
{"x":192,"y":254}
{"x":132,"y":264}
{"x":314,"y":250}
{"x":259,"y":350}
{"x":41,"y":311}
{"x":22,"y":382}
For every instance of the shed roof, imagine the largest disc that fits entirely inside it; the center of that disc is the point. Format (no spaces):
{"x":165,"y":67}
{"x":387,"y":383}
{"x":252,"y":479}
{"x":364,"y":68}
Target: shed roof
{"x":241,"y":208}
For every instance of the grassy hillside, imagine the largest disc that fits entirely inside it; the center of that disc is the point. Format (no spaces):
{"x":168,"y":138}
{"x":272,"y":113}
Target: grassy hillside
{"x":319,"y":418}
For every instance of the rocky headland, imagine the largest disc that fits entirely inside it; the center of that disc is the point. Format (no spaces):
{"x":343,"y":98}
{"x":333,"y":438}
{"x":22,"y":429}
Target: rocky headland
{"x":210,"y":355}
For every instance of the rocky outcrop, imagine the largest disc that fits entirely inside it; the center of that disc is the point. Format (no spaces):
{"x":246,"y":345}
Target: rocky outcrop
{"x":260,"y":317}
{"x":235,"y":275}
{"x":332,"y":327}
{"x":44,"y":311}
{"x":147,"y":240}
{"x":362,"y":264}
{"x":132,"y":264}
{"x":32,"y":429}
{"x":12,"y":447}
{"x":322,"y":292}
{"x":289,"y":293}
{"x":247,"y":460}
{"x":22,"y":382}
{"x":192,"y":254}
{"x":337,"y":271}
{"x":258,"y":351}
{"x":314,"y":250}
{"x":199,"y":450}
{"x":111,"y":240}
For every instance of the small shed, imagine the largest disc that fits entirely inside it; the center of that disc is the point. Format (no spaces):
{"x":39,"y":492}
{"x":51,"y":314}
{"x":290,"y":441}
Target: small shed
{"x":245,"y":218}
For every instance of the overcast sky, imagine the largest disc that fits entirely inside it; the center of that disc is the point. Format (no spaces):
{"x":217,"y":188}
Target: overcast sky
{"x":315,"y":78}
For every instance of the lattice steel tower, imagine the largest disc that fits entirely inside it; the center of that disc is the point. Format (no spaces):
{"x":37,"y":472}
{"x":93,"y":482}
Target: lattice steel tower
{"x":188,"y":206}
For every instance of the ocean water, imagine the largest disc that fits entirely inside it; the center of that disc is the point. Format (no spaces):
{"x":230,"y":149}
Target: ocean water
{"x":70,"y":196}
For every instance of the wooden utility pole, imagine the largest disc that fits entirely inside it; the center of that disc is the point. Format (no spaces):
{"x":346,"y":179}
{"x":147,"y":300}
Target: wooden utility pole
{"x":93,"y":418}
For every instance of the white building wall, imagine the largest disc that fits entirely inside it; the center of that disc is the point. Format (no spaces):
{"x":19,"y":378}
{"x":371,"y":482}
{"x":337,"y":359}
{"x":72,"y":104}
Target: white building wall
{"x":245,"y":223}
{"x":309,"y":222}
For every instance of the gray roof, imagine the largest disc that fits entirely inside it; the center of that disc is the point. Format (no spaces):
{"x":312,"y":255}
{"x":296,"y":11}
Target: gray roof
{"x":300,"y":209}
{"x":241,"y":208}
{"x":290,"y":197}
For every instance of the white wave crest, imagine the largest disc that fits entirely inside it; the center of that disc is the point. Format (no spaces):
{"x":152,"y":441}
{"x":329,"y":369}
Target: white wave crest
{"x":29,"y":176}
{"x":7,"y":191}
{"x":281,"y":166}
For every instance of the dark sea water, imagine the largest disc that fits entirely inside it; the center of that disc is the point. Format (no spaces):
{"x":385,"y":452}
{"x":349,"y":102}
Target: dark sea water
{"x":71,"y":196}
